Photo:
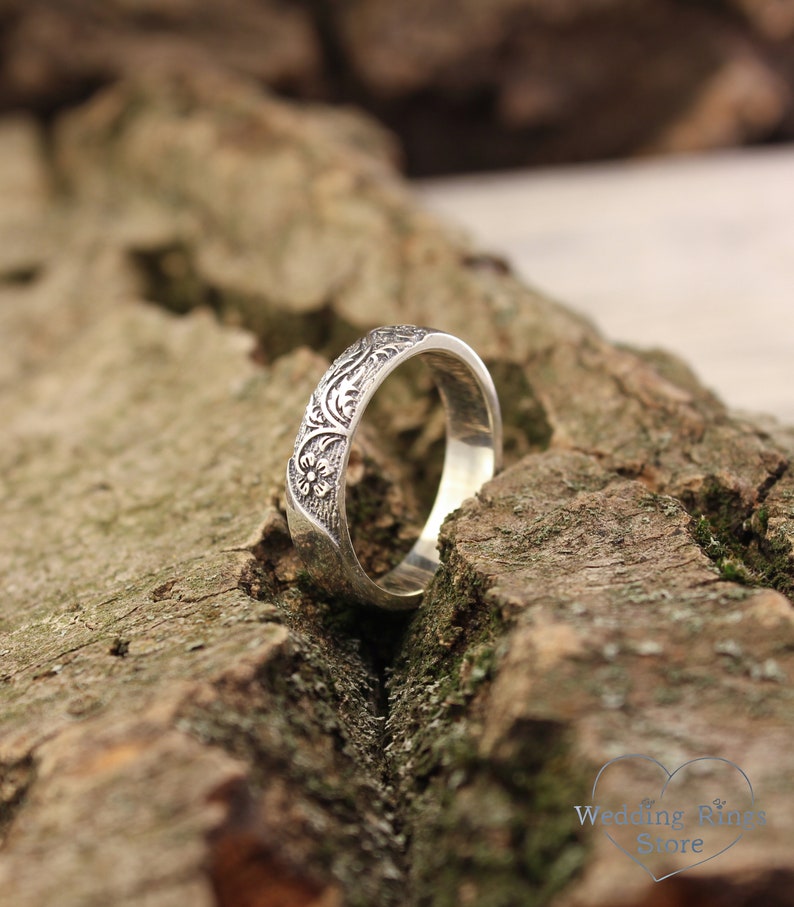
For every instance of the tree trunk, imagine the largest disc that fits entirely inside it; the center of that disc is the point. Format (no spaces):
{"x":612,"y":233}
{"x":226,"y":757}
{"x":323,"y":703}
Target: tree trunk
{"x":186,"y":718}
{"x":467,"y":85}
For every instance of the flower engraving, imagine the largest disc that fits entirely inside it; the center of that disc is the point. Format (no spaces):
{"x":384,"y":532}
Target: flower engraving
{"x":311,"y":475}
{"x":331,"y":411}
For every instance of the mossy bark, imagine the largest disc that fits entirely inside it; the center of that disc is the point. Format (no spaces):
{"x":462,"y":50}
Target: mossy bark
{"x":186,"y":718}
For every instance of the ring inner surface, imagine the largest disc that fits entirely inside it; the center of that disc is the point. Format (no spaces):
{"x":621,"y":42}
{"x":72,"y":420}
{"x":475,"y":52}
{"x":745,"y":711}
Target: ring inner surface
{"x":469,"y":461}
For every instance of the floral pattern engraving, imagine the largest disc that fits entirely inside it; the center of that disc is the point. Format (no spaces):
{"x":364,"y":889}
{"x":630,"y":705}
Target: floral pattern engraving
{"x":312,"y":474}
{"x":314,"y":471}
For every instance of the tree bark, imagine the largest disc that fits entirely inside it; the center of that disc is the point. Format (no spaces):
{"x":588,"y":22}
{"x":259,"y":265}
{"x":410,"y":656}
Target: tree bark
{"x":467,"y":85}
{"x":186,"y":718}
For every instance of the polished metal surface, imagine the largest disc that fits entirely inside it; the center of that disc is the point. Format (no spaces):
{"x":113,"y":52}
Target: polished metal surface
{"x":316,"y":471}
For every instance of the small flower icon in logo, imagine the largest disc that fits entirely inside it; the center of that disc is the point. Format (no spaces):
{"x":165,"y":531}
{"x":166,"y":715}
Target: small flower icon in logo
{"x":312,"y":473}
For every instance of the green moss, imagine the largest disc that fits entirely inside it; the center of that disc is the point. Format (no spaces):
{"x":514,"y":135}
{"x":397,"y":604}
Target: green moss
{"x":734,"y":571}
{"x":667,"y":696}
{"x":725,"y":509}
{"x":509,"y":831}
{"x":677,"y":676}
{"x":739,"y":542}
{"x":725,"y":555}
{"x":703,"y":533}
{"x":499,"y":828}
{"x":776,"y":564}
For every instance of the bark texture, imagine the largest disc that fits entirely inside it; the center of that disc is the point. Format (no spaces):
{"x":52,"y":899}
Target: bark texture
{"x":466,"y":84}
{"x":185,"y":718}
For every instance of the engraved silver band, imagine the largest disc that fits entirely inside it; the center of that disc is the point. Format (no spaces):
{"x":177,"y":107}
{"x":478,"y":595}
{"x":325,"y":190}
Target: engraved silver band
{"x":316,"y":471}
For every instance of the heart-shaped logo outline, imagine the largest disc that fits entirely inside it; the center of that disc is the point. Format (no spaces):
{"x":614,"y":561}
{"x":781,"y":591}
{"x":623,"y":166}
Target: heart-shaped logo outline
{"x":670,"y":776}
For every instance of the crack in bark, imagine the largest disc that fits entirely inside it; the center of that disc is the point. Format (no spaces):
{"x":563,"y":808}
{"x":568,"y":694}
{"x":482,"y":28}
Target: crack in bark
{"x":16,"y":780}
{"x":734,"y":535}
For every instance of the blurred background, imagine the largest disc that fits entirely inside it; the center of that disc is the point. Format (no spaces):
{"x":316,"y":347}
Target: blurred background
{"x":583,"y":139}
{"x":467,"y":85}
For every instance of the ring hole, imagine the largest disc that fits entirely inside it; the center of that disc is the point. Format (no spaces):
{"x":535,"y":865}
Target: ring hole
{"x":394,"y":468}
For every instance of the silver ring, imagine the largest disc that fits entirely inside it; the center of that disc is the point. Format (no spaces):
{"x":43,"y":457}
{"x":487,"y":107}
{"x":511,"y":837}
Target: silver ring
{"x":316,"y":471}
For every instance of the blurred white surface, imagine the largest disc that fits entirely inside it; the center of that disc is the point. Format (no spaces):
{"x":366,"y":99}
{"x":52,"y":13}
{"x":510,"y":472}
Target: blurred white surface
{"x":694,"y":255}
